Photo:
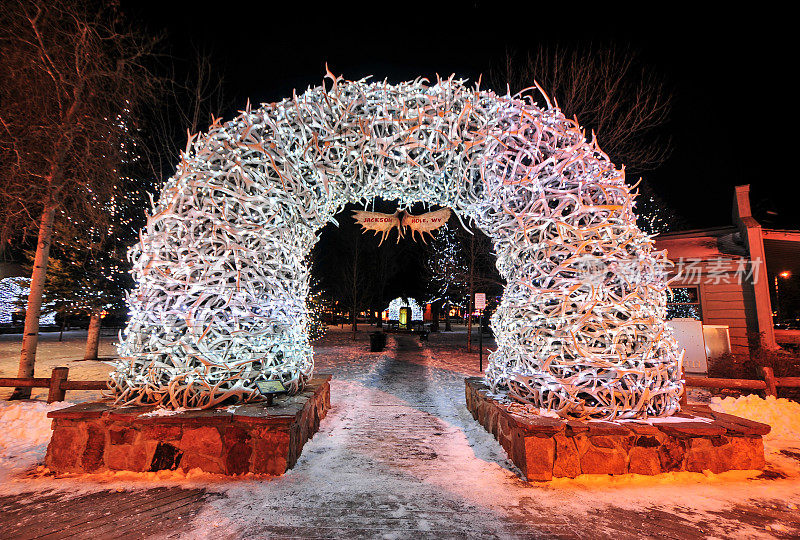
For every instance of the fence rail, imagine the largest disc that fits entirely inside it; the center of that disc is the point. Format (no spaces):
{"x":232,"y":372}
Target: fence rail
{"x":707,"y":382}
{"x":57,"y":383}
{"x":770,"y":384}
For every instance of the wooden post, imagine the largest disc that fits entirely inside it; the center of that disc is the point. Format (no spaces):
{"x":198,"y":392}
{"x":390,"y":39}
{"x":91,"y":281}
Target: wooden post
{"x":769,"y":378}
{"x":471,"y":303}
{"x":685,"y":396}
{"x":58,"y":376}
{"x":480,"y":341}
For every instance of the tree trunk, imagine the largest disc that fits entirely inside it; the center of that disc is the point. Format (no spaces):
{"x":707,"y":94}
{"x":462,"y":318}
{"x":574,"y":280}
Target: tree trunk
{"x":447,"y":327}
{"x":63,"y":324}
{"x":379,"y":324}
{"x":435,"y":310}
{"x":93,"y":338}
{"x":34,"y":308}
{"x":354,"y":322}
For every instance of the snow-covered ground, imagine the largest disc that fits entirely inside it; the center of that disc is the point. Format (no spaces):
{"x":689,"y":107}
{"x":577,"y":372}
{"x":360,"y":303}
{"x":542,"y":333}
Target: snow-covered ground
{"x":782,"y":444}
{"x":24,"y":434}
{"x":53,"y":353}
{"x":399,"y":455}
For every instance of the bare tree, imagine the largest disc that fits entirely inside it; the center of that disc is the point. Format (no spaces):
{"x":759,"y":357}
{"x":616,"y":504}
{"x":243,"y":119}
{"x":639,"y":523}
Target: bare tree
{"x":607,"y":89}
{"x":385,"y":263}
{"x":354,"y":284}
{"x":612,"y":93}
{"x":346,"y":268}
{"x":191,"y":99}
{"x":73,"y":79}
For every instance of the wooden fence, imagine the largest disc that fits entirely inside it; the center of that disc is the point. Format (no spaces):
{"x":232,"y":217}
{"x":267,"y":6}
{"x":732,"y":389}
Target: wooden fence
{"x":57,"y":383}
{"x":770,"y":384}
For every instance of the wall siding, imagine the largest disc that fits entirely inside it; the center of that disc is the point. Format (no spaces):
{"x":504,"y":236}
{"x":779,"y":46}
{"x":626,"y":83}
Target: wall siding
{"x":723,"y":302}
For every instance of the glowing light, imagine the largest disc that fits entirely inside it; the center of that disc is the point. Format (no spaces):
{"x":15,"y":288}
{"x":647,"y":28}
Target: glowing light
{"x":13,"y":291}
{"x":395,"y":305}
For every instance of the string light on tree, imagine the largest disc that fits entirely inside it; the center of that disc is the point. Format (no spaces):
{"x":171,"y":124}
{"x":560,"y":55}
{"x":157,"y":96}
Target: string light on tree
{"x":13,"y":296}
{"x":447,"y":268}
{"x":315,"y":311}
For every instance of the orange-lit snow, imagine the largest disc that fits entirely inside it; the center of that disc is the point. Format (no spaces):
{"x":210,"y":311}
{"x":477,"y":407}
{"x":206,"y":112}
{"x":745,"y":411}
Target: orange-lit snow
{"x":782,"y":443}
{"x":400,"y":444}
{"x":24,"y":434}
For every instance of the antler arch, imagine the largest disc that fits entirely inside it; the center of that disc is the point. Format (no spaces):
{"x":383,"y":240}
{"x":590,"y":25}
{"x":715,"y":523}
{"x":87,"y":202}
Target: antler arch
{"x":220,"y":267}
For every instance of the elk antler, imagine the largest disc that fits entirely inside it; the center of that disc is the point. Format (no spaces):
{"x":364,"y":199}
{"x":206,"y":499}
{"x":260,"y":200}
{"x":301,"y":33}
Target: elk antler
{"x":425,"y":223}
{"x":380,"y":223}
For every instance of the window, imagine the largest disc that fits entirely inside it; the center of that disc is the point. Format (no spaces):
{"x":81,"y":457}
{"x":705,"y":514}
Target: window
{"x":684,"y":303}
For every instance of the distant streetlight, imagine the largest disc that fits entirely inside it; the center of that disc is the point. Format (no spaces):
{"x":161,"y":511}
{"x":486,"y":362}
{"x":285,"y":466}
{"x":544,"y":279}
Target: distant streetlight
{"x":785,"y":275}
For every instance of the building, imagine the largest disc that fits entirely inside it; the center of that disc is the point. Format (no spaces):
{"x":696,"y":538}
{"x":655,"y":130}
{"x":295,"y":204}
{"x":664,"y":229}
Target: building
{"x":726,"y":275}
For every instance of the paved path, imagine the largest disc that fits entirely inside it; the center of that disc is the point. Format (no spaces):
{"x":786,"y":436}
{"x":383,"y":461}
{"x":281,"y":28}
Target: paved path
{"x":372,"y":470}
{"x":398,"y":456}
{"x":106,"y":514}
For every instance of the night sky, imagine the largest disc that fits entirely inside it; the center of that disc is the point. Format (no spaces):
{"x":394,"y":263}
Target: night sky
{"x":733,"y":106}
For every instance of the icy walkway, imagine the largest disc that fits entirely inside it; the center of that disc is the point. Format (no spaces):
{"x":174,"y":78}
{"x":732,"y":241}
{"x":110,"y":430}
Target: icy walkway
{"x":399,"y":456}
{"x":392,"y":459}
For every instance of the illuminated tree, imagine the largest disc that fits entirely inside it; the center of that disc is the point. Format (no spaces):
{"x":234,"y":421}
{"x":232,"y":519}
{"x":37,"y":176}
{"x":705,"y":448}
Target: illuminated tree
{"x":447,"y":271}
{"x":315,"y":311}
{"x":88,"y":274}
{"x":461,"y":263}
{"x":13,"y":299}
{"x":72,"y":75}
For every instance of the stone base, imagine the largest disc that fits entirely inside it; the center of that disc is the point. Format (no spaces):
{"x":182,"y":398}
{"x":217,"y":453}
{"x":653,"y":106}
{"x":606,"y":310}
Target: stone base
{"x":543,"y":447}
{"x":96,"y":436}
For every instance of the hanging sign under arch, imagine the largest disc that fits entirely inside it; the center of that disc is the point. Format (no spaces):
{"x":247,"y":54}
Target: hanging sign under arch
{"x":384,"y":224}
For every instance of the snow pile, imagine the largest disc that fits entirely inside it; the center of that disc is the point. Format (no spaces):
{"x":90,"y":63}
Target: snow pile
{"x":782,"y":443}
{"x":25,"y":432}
{"x":782,"y":415}
{"x":167,"y":412}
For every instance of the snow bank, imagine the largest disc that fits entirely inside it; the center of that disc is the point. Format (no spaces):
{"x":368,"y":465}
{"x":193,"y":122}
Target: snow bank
{"x":781,"y":414}
{"x":782,"y":443}
{"x":25,"y":431}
